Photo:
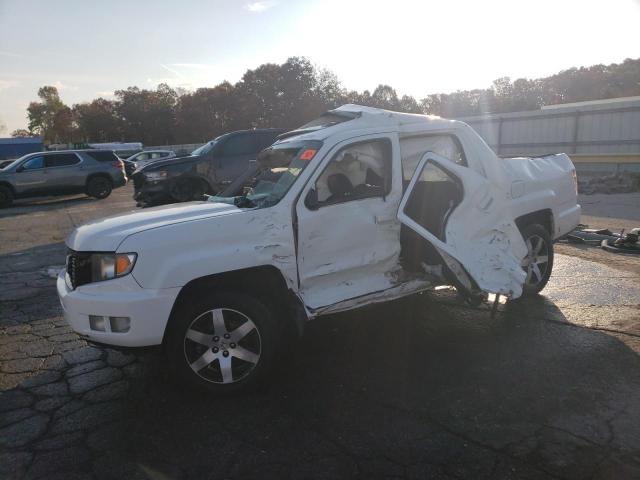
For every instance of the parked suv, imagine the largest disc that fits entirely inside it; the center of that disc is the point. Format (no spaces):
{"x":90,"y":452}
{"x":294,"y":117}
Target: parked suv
{"x":208,"y":170}
{"x":94,"y":172}
{"x":359,"y":207}
{"x":140,"y":159}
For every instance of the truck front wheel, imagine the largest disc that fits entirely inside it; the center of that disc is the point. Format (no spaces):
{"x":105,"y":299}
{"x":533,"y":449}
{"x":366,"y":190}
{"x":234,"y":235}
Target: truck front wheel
{"x":224,"y":343}
{"x":538,"y":262}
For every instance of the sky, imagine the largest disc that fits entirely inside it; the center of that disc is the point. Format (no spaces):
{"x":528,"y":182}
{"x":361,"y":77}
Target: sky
{"x":89,"y":49}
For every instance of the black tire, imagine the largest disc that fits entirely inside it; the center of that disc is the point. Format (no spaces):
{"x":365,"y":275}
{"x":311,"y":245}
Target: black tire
{"x":197,"y":319}
{"x":538,"y":263}
{"x":188,"y":189}
{"x":6,"y":196}
{"x":99,"y":187}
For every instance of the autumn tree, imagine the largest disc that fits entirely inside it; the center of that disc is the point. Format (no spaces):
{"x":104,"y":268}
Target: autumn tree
{"x":20,"y":133}
{"x":290,"y":94}
{"x":50,"y":118}
{"x":147,"y":115}
{"x":97,"y":121}
{"x":205,"y":113}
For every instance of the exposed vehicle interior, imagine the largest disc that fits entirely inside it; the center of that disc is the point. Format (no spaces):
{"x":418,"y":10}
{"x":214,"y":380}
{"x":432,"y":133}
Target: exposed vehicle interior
{"x":358,"y":171}
{"x":435,"y":196}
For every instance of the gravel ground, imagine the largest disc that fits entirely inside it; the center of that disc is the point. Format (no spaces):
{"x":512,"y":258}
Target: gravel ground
{"x":425,"y":387}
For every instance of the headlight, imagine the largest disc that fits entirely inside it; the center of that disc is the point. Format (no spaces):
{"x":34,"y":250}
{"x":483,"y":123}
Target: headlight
{"x":155,"y":176}
{"x":105,"y":266}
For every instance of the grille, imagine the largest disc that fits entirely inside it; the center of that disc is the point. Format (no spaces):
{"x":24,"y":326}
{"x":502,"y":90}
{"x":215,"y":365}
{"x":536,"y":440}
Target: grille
{"x":78,"y":268}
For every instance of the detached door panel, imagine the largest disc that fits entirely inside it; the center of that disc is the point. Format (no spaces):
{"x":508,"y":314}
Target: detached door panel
{"x":466,"y":218}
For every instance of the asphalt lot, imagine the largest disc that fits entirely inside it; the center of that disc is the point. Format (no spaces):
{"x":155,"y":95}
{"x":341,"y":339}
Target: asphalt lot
{"x":419,"y":388}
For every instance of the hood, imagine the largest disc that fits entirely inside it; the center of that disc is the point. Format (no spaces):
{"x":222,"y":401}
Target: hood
{"x":168,"y":162}
{"x":106,"y":234}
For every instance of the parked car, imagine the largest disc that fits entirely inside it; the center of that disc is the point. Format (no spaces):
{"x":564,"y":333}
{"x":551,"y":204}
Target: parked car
{"x":140,"y":159}
{"x":208,"y":170}
{"x":94,"y":172}
{"x":358,"y":207}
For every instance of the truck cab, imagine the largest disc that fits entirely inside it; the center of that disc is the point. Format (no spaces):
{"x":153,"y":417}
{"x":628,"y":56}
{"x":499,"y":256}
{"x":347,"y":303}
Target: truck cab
{"x":359,"y":206}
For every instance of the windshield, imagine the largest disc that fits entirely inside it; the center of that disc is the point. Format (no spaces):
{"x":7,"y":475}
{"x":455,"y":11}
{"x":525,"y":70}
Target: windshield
{"x":278,"y":168}
{"x":206,"y":148}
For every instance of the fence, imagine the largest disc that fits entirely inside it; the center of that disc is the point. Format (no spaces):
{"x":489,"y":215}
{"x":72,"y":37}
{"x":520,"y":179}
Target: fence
{"x":600,"y":137}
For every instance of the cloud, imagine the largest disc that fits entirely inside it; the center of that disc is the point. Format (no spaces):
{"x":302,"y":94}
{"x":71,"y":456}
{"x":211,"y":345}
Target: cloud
{"x":64,"y":86}
{"x":4,"y":84}
{"x":260,"y":6}
{"x":105,"y":93}
{"x":172,"y":70}
{"x":194,"y":75}
{"x":199,"y":66}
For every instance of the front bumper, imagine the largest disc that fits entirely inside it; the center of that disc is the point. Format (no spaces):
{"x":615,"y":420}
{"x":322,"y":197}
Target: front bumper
{"x":150,"y":192}
{"x":147,"y":309}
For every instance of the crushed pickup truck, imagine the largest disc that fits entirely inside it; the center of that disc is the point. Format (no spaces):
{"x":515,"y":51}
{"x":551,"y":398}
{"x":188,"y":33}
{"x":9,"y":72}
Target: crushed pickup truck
{"x":356,"y":207}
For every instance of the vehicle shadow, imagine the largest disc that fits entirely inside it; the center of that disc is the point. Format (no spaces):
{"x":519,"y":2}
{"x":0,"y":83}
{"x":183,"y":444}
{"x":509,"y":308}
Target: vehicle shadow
{"x":419,"y":387}
{"x":28,"y":205}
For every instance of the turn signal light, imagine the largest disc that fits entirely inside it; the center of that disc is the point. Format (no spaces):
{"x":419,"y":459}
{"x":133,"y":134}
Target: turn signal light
{"x":124,"y":262}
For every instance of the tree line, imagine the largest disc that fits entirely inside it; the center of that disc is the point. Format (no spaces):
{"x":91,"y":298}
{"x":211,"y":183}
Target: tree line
{"x":290,"y":94}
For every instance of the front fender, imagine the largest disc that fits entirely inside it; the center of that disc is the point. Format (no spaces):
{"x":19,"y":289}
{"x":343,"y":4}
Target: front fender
{"x":173,"y":255}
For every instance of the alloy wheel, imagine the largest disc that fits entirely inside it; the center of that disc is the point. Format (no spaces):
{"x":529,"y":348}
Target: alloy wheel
{"x":222,"y":346}
{"x":536,"y":263}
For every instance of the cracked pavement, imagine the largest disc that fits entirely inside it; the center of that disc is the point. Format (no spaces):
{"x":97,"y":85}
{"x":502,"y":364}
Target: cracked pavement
{"x":424,"y":387}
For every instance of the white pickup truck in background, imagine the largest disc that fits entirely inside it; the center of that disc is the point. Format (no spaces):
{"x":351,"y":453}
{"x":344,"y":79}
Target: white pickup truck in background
{"x":359,"y":206}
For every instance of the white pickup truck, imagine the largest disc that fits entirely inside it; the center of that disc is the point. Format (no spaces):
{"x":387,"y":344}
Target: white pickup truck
{"x":358,"y":206}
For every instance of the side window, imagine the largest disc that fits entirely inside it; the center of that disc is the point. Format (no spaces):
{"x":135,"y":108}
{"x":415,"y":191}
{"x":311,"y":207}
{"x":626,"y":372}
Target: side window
{"x":142,"y":157}
{"x":102,"y":155}
{"x":33,"y":163}
{"x":434,"y":196}
{"x":239,"y":145}
{"x":413,"y":148}
{"x":61,"y":160}
{"x":358,"y":171}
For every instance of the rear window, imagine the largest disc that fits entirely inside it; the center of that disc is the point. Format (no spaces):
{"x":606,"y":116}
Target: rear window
{"x":102,"y":156}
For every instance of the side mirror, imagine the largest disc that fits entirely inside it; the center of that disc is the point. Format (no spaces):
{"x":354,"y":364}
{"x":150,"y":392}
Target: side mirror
{"x":20,"y":169}
{"x":311,"y":200}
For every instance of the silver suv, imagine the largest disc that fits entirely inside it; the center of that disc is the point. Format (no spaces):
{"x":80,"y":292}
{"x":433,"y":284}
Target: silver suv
{"x":94,"y":172}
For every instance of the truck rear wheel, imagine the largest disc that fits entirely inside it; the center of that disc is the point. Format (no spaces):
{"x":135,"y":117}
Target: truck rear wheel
{"x":224,"y":343}
{"x":538,"y":262}
{"x":99,"y":187}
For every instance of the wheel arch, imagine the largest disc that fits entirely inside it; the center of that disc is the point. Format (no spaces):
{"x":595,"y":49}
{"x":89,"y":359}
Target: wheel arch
{"x":543,"y":217}
{"x":192,"y":177}
{"x":9,"y":186}
{"x":98,"y":174}
{"x":265,"y":282}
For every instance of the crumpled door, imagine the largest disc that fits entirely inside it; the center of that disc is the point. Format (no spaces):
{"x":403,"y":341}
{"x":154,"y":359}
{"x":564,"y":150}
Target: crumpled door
{"x":464,"y":216}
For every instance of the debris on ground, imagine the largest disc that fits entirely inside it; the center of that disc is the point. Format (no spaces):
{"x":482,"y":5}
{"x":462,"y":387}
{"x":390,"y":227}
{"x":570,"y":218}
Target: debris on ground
{"x":606,"y":239}
{"x":619,"y":183}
